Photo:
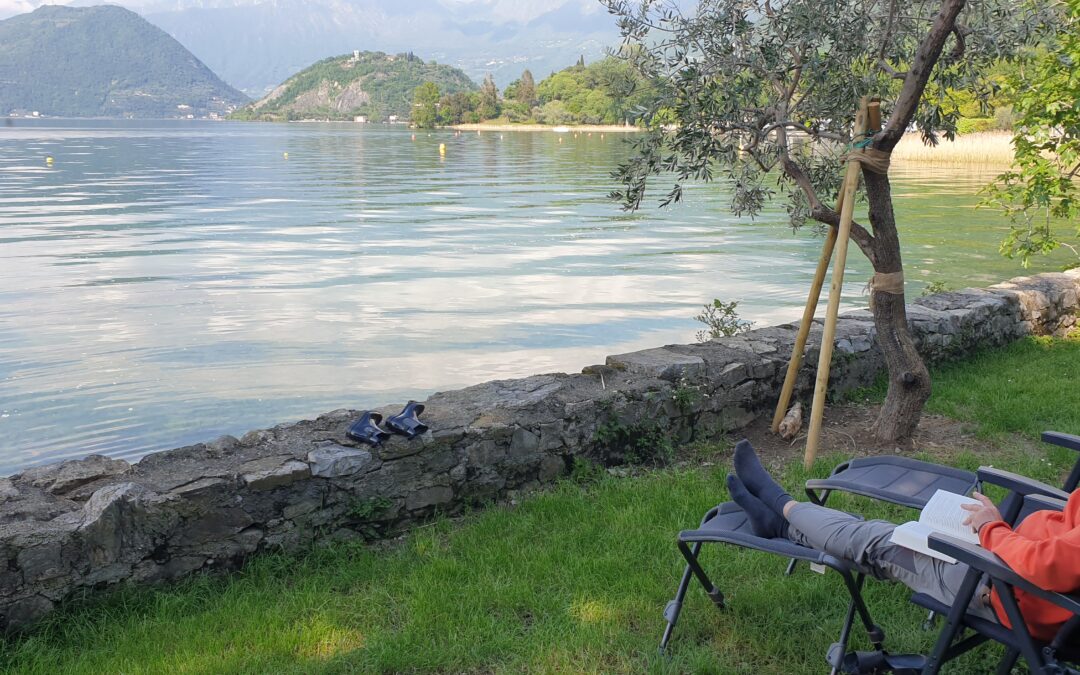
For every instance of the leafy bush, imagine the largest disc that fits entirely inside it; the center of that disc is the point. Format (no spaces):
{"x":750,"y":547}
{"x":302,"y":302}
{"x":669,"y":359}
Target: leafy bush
{"x":973,"y":125}
{"x":721,"y":320}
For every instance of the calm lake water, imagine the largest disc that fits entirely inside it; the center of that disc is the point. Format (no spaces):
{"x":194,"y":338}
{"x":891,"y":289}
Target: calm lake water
{"x":163,"y":283}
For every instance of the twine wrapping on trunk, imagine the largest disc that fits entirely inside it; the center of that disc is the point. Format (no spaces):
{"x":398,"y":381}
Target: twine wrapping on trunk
{"x":885,"y":282}
{"x":874,"y":161}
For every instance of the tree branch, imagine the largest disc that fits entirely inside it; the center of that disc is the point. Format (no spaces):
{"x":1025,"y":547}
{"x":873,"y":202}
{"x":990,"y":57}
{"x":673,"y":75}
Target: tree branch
{"x":859,"y":234}
{"x":818,"y":211}
{"x":918,"y":75}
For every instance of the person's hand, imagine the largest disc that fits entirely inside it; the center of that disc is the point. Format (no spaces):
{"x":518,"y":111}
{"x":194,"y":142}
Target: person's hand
{"x":982,"y":513}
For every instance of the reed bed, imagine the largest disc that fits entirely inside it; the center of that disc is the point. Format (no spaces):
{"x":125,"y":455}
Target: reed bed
{"x":991,"y":148}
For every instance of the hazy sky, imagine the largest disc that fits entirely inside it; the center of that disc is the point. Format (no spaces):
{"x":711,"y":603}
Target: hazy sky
{"x":497,"y":9}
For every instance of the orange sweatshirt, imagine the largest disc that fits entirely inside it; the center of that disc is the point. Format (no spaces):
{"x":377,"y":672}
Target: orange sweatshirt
{"x":1045,"y":550}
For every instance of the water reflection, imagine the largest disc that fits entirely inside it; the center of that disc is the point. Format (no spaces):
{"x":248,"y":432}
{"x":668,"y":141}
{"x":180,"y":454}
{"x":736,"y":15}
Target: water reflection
{"x":163,"y":283}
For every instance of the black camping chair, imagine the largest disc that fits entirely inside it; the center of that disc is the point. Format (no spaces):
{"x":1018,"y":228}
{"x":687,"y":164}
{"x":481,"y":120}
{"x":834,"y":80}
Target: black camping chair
{"x":727,"y":523}
{"x":912,"y":482}
{"x":1043,"y":658}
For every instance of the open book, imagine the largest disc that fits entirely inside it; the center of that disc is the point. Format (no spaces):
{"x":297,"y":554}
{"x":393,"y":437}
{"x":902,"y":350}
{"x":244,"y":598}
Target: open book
{"x":941,"y":514}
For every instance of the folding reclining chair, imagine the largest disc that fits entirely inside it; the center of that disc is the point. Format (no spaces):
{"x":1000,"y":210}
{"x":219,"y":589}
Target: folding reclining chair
{"x":912,"y":482}
{"x":1052,"y":658}
{"x":727,"y":523}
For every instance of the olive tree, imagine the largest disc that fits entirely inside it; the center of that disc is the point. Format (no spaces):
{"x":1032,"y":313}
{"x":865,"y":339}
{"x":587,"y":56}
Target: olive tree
{"x":765,"y":93}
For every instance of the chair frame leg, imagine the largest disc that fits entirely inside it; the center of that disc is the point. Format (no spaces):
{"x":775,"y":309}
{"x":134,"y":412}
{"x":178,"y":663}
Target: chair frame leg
{"x":674,"y":607}
{"x":1030,"y":651}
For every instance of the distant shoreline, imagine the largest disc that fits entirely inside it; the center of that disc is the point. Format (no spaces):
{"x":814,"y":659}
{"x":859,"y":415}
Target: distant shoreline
{"x":568,"y":128}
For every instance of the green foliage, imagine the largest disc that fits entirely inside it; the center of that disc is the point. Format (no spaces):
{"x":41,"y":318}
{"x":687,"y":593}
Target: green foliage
{"x":935,"y":287}
{"x":365,"y":511}
{"x":376,"y":84}
{"x":103,"y":61}
{"x":459,"y":107}
{"x":766,"y":97}
{"x":639,"y":442}
{"x":974,"y":125}
{"x":603,"y":92}
{"x":584,"y":471}
{"x":425,"y":113}
{"x":526,"y":90}
{"x":1040,"y":192}
{"x":721,"y":320}
{"x":369,"y":509}
{"x":488,"y":104}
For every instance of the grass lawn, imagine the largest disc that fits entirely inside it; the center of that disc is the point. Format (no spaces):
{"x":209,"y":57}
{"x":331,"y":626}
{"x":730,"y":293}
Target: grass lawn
{"x":573,"y":579}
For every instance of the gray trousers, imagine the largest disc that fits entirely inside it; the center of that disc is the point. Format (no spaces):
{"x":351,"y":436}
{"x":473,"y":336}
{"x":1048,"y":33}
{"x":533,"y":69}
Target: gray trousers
{"x":866,"y":542}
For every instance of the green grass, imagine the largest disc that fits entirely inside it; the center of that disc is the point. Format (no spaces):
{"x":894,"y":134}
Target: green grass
{"x":1027,"y":387}
{"x":573,"y":579}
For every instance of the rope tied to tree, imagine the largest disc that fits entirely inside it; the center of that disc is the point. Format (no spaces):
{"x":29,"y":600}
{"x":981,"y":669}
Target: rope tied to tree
{"x":872,"y":159}
{"x":885,"y":282}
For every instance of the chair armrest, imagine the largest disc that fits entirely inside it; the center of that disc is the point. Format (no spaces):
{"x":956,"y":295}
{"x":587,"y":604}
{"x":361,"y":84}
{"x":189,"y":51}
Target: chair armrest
{"x":1021,"y":485}
{"x":1043,"y":503}
{"x":1061,"y":439}
{"x":986,"y":562}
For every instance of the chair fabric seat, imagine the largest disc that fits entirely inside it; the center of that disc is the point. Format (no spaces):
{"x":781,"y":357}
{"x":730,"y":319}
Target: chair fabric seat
{"x":899,"y":480}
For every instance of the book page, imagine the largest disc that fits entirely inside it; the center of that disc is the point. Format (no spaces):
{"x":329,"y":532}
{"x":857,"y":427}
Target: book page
{"x":943,"y":513}
{"x":913,"y":535}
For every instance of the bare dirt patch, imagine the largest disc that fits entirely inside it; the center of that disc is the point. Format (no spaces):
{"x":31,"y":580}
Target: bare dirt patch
{"x":846,"y":430}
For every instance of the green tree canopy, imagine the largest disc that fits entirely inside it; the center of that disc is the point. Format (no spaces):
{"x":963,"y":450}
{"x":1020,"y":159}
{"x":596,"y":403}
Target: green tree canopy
{"x":425,"y":112}
{"x":602,"y":92}
{"x":1040,"y":191}
{"x":488,"y":107}
{"x":765,"y":92}
{"x":526,"y":89}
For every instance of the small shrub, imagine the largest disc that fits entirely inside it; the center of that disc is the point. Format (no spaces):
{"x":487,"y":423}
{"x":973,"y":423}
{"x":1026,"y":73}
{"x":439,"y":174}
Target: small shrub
{"x":585,"y":471}
{"x":365,"y":511}
{"x":935,"y":287}
{"x":721,"y":320}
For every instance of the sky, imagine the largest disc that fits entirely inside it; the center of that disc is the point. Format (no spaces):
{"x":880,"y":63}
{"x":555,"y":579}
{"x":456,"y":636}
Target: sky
{"x":522,"y":10}
{"x":255,"y":45}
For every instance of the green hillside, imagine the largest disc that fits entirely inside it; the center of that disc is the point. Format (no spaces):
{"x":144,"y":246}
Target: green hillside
{"x":103,"y":61}
{"x":374,"y":84}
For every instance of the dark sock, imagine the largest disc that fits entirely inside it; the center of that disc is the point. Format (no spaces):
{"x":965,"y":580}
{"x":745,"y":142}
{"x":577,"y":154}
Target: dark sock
{"x":763,"y":521}
{"x":757,"y":480}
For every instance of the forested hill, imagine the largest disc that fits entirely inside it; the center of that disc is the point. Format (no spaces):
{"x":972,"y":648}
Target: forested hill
{"x":374,"y":84}
{"x":103,"y":61}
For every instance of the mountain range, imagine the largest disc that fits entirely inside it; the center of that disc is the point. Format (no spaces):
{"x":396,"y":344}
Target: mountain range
{"x":257,"y":44}
{"x":103,"y":61}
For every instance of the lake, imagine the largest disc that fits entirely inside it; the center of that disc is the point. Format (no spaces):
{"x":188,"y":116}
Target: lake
{"x":163,"y":283}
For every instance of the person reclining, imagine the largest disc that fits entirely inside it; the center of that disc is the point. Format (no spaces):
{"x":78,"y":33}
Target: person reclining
{"x":1044,"y":548}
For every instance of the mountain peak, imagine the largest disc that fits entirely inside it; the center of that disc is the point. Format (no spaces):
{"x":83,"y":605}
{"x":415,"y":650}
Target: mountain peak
{"x":103,"y":61}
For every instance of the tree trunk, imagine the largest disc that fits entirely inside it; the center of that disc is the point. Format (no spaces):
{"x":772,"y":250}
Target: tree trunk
{"x":909,"y":380}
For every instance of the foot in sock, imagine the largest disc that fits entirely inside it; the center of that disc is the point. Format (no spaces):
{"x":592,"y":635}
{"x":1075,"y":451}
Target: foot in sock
{"x":763,"y":521}
{"x":757,"y":480}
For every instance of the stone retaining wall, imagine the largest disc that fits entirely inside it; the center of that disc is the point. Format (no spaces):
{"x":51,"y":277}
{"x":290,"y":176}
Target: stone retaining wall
{"x":95,"y":522}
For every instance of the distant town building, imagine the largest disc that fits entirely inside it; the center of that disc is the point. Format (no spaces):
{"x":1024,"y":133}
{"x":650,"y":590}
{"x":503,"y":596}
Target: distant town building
{"x":356,"y":55}
{"x":360,"y":119}
{"x":393,"y":119}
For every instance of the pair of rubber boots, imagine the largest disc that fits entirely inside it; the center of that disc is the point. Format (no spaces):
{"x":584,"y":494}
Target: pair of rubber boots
{"x":407,"y":423}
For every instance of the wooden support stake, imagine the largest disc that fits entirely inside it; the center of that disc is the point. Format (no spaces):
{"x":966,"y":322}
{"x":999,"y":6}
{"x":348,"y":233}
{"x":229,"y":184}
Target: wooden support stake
{"x":828,"y":336}
{"x":804,"y":325}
